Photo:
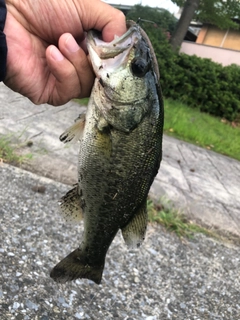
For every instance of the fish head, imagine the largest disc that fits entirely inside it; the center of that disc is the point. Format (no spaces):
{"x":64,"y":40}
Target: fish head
{"x":125,"y":70}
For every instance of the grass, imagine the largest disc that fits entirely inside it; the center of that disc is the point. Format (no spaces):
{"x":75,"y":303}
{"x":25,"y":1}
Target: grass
{"x":174,"y":221}
{"x":202,"y":129}
{"x":199,"y":128}
{"x":9,"y":154}
{"x":83,"y":101}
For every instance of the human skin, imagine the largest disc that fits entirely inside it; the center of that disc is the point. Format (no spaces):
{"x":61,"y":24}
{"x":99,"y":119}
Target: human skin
{"x":47,"y":59}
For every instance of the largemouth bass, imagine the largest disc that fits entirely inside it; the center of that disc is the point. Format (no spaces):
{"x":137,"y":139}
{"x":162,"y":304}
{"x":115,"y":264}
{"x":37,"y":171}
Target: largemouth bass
{"x":120,"y":151}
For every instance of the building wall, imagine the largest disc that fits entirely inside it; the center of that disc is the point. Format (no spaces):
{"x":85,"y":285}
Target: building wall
{"x":217,"y":54}
{"x":213,"y":36}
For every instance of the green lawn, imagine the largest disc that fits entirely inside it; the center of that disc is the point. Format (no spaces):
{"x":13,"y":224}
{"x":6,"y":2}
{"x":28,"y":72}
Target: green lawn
{"x":202,"y":129}
{"x":191,"y":125}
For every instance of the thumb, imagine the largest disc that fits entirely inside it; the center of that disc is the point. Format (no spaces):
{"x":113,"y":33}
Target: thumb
{"x":102,"y":17}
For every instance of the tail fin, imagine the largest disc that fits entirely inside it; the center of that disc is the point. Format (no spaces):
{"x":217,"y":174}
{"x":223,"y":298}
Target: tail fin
{"x":74,"y":266}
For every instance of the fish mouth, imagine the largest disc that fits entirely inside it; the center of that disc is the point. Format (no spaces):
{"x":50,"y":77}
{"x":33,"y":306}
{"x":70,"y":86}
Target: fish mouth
{"x":111,"y":49}
{"x":111,"y":55}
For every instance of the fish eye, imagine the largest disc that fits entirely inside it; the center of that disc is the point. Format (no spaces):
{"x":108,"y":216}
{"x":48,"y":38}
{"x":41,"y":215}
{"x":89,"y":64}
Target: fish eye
{"x":139,"y":67}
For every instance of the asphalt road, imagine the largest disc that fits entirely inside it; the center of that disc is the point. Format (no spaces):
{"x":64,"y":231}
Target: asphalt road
{"x":167,"y":278}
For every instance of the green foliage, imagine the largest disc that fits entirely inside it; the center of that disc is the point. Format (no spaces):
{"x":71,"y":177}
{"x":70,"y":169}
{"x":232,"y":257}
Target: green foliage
{"x":217,"y":12}
{"x":199,"y":83}
{"x":160,"y":18}
{"x":208,"y":86}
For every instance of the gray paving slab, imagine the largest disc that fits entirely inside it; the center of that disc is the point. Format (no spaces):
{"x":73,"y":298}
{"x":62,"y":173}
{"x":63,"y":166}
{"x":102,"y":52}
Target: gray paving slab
{"x":205,"y":185}
{"x":200,"y":183}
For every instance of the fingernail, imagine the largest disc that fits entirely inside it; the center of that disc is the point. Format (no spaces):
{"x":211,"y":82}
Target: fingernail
{"x":56,"y":54}
{"x":71,"y":44}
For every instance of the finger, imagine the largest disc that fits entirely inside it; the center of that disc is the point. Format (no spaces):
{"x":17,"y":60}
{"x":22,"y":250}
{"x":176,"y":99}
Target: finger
{"x":115,"y":26}
{"x":102,"y":17}
{"x":77,"y":56}
{"x":63,"y":83}
{"x":69,"y":70}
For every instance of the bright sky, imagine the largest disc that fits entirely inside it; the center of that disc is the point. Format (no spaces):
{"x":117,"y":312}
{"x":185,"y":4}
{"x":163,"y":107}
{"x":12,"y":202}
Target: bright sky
{"x":166,"y":4}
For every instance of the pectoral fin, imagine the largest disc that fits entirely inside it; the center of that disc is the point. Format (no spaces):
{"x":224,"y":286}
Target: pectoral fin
{"x":75,"y":132}
{"x":134,"y":232}
{"x":70,"y":206}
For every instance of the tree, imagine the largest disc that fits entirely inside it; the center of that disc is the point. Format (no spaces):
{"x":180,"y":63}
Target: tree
{"x":221,"y":13}
{"x":190,"y":6}
{"x":161,"y":18}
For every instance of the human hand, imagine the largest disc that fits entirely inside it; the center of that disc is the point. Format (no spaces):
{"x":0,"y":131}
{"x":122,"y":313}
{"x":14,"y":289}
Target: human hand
{"x":44,"y":62}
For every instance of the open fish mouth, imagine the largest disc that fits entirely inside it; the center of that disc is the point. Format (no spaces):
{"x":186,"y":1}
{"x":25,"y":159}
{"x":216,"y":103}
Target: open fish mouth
{"x":112,"y":55}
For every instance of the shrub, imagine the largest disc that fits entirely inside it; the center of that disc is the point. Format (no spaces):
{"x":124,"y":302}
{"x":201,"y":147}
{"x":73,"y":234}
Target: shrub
{"x":200,"y":83}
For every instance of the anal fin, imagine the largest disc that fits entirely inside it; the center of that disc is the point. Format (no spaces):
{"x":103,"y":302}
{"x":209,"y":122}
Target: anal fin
{"x":134,"y":232}
{"x":70,"y":206}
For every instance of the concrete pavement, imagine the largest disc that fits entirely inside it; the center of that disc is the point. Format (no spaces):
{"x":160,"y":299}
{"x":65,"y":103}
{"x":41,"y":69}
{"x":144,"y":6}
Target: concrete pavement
{"x":202,"y":184}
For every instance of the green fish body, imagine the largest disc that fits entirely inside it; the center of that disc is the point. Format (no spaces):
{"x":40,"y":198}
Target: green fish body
{"x":120,"y":151}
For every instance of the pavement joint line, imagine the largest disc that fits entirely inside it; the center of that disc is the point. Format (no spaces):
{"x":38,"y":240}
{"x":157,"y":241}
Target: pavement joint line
{"x":229,"y":213}
{"x":195,"y":192}
{"x":31,"y":115}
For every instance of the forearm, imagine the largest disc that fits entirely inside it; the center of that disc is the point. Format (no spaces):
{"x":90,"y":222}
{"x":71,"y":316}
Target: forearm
{"x":3,"y":44}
